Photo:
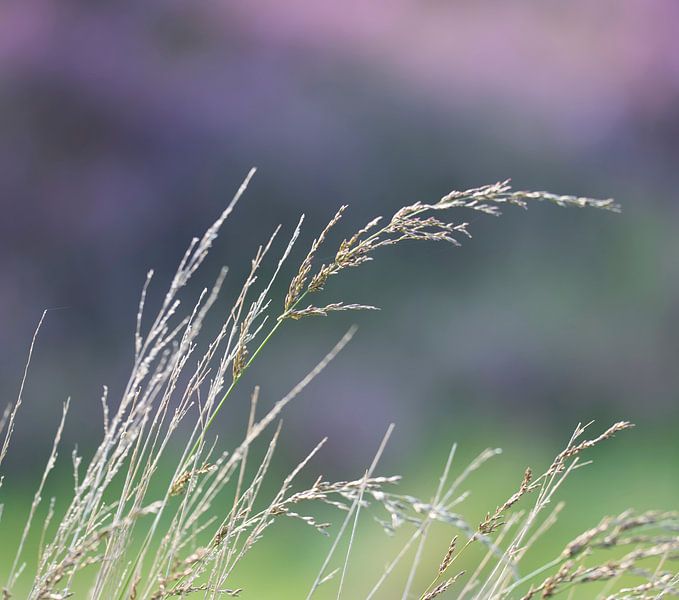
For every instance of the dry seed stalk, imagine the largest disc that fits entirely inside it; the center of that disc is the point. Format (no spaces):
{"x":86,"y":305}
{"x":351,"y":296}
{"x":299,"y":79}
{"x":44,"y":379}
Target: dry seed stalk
{"x":407,"y":224}
{"x":492,"y":522}
{"x":181,"y":482}
{"x":448,"y":558}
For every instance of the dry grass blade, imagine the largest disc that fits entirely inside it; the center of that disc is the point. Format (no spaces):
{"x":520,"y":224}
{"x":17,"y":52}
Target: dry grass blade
{"x":9,"y":414}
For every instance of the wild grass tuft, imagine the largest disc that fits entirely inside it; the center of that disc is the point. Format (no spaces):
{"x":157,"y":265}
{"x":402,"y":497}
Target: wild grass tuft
{"x":130,"y":531}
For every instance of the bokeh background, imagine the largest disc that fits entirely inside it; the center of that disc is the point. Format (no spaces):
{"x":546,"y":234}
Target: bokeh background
{"x":125,"y":127}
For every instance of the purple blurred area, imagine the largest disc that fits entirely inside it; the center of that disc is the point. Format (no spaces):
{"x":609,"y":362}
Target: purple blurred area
{"x":126,"y":126}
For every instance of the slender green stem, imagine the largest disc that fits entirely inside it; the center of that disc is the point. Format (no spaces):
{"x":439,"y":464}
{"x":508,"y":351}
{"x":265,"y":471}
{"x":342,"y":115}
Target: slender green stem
{"x":535,"y":573}
{"x":236,"y":379}
{"x":232,"y":386}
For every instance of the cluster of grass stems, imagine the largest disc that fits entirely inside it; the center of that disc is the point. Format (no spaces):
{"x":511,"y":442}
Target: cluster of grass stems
{"x":120,"y":538}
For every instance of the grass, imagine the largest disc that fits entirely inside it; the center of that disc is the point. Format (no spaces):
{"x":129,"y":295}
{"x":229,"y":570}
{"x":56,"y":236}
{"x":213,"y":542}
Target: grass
{"x":143,"y":520}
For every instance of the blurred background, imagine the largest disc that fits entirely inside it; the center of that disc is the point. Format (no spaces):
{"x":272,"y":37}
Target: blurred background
{"x":126,"y":127}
